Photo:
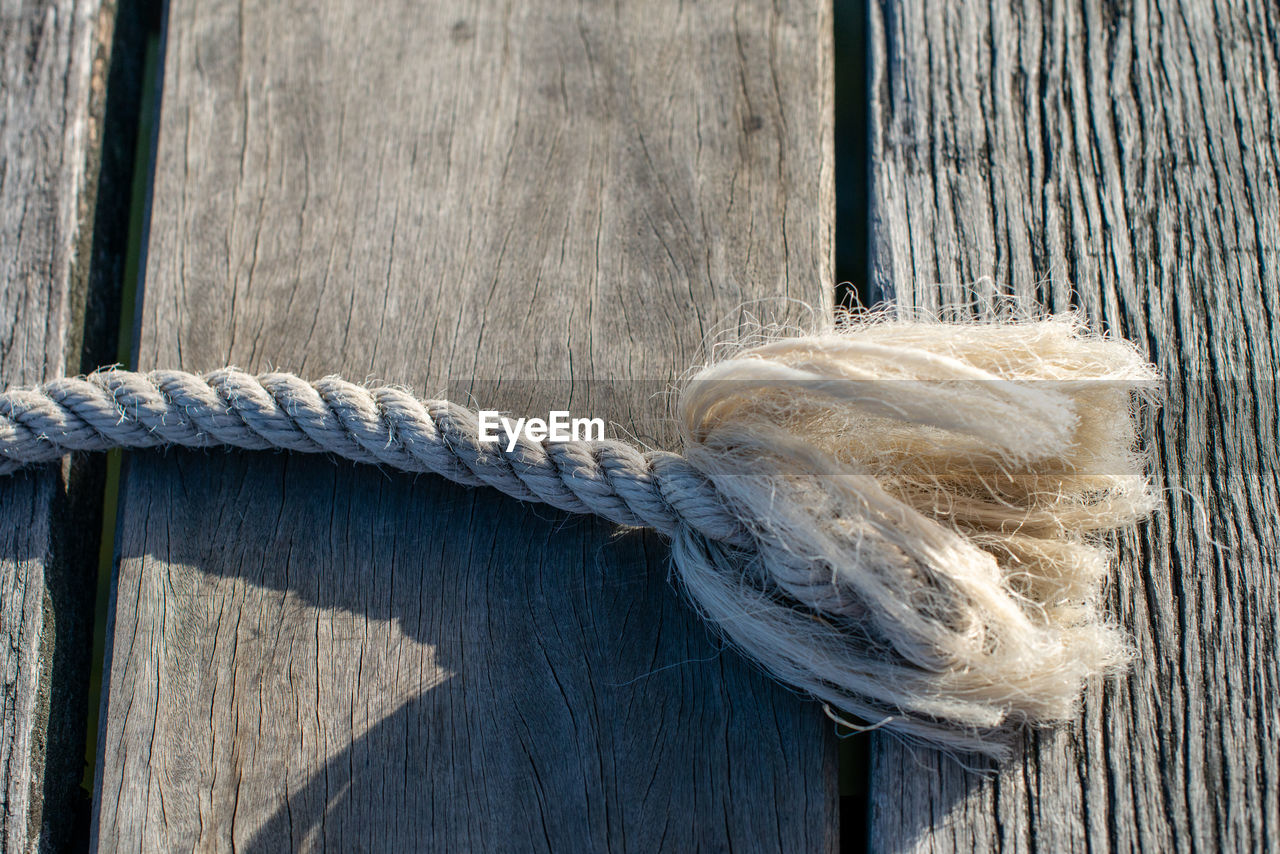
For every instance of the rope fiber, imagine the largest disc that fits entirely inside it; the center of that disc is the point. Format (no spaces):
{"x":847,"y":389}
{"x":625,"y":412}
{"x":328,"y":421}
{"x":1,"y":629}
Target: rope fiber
{"x":907,"y":520}
{"x":384,"y":425}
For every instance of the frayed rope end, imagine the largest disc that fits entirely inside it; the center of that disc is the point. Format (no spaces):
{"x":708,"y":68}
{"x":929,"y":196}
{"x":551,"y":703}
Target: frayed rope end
{"x":928,"y":505}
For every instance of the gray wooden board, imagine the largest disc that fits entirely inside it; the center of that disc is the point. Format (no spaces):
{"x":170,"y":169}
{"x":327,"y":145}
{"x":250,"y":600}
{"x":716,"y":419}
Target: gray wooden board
{"x":307,"y":654}
{"x":1122,"y":158}
{"x":51,"y":96}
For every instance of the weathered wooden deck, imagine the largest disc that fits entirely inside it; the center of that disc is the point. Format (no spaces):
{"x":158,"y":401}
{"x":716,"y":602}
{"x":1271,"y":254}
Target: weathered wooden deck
{"x":545,"y":205}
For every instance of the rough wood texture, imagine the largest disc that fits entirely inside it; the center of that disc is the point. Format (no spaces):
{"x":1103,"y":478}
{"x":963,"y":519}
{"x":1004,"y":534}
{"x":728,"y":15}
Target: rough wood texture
{"x":1128,"y":151}
{"x":311,"y":655}
{"x":51,"y":95}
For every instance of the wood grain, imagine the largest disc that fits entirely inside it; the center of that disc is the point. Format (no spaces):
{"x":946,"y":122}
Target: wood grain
{"x":51,"y":99}
{"x":1121,"y":158}
{"x":532,"y":205}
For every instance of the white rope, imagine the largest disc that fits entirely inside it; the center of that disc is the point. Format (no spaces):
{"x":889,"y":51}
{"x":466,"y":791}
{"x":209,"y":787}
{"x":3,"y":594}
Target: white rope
{"x":901,"y":519}
{"x":383,"y":426}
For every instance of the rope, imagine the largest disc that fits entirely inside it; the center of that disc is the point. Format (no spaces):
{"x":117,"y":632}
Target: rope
{"x":381,"y":426}
{"x":901,"y":519}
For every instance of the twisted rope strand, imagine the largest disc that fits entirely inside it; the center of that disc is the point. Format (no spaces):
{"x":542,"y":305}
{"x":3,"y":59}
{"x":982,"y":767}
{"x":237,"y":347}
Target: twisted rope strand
{"x":898,"y":518}
{"x":380,"y":426}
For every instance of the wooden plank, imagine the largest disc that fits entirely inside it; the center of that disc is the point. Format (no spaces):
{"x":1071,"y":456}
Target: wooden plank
{"x":52,"y":94}
{"x":530,"y":203}
{"x":1122,"y":158}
